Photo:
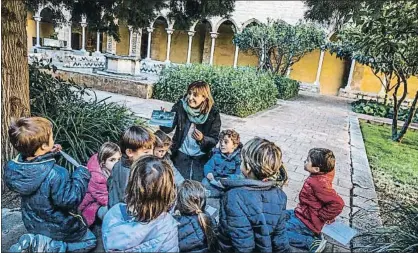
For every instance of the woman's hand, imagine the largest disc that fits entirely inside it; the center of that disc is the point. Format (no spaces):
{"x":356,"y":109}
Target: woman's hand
{"x":197,"y":135}
{"x":163,"y":109}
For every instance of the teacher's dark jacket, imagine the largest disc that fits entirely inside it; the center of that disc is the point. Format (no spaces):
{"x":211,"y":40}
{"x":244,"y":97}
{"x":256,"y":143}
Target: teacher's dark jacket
{"x":210,"y":129}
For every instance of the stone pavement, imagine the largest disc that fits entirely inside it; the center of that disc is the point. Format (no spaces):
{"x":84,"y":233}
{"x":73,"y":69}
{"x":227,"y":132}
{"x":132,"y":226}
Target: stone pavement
{"x":295,"y":126}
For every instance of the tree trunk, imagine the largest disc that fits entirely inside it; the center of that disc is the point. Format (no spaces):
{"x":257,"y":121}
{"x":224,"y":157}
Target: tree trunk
{"x":395,"y":110}
{"x":408,"y":120}
{"x":14,"y":74}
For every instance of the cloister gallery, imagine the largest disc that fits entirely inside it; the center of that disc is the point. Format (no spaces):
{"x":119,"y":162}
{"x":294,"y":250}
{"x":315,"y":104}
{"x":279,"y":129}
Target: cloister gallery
{"x":206,"y":41}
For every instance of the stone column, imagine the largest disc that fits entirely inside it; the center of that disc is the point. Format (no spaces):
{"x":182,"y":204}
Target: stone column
{"x":130,"y":39}
{"x":189,"y":49}
{"x":98,"y":43}
{"x":136,"y":43}
{"x":110,"y":45}
{"x":350,"y":76}
{"x":38,"y":39}
{"x":213,"y":35}
{"x":69,"y":38}
{"x":318,"y":72}
{"x":149,"y":30}
{"x":169,"y":33}
{"x":83,"y":36}
{"x":236,"y":56}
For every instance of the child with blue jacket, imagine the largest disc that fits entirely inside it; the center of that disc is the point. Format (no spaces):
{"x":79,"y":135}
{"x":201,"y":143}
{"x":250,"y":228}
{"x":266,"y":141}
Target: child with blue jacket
{"x":50,"y":194}
{"x":225,"y":162}
{"x":252,"y":210}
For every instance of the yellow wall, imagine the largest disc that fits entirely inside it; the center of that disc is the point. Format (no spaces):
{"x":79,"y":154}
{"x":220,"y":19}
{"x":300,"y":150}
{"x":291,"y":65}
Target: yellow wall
{"x":247,"y":59}
{"x":45,"y":30}
{"x":198,"y":43}
{"x":122,"y":47}
{"x":370,"y":83}
{"x":159,"y":42}
{"x":305,"y":69}
{"x":179,"y":46}
{"x":224,"y":48}
{"x":333,"y":75}
{"x":30,"y":29}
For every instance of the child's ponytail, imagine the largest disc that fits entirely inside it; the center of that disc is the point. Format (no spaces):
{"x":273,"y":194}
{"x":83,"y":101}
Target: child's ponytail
{"x":192,"y":201}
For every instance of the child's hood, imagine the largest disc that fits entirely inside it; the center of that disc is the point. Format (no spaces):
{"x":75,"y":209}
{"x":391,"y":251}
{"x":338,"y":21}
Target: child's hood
{"x":93,"y":164}
{"x":121,"y":232}
{"x":26,"y":177}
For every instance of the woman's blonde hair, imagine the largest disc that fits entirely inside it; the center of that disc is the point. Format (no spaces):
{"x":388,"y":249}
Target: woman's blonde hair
{"x":107,"y":150}
{"x":191,"y":200}
{"x":202,"y":88}
{"x":264,"y":159}
{"x":150,"y":191}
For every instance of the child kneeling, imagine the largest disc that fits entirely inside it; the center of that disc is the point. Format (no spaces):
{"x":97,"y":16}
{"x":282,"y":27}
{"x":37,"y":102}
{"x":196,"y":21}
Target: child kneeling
{"x":100,"y":166}
{"x":50,"y":195}
{"x":252,"y":214}
{"x":225,"y":161}
{"x":318,"y":203}
{"x":144,"y":224}
{"x":197,"y":228}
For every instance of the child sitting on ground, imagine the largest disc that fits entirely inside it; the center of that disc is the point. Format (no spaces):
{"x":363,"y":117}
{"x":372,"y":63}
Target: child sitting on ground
{"x":100,"y":166}
{"x":135,"y":142}
{"x":252,"y":212}
{"x":318,"y":204}
{"x":196,"y":229}
{"x":162,"y":146}
{"x":50,"y":195}
{"x":143,"y":224}
{"x":225,"y":161}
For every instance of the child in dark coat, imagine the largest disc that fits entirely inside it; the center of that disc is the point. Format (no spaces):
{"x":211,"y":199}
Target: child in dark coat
{"x":252,"y":214}
{"x":196,"y":228}
{"x":318,"y":203}
{"x":50,"y":195}
{"x":135,"y":142}
{"x":225,"y":161}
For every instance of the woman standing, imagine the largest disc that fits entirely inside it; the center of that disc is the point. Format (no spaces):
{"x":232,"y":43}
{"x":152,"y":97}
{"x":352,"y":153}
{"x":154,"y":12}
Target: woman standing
{"x":197,"y":123}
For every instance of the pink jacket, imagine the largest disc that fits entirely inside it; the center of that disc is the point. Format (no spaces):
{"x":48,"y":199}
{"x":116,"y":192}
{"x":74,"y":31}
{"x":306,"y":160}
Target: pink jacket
{"x":97,"y":194}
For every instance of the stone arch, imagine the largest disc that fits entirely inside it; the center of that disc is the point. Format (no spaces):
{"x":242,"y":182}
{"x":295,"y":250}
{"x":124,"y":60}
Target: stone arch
{"x":249,"y":22}
{"x":159,"y":38}
{"x":216,"y":27}
{"x":193,"y":27}
{"x":200,"y":51}
{"x":224,"y":48}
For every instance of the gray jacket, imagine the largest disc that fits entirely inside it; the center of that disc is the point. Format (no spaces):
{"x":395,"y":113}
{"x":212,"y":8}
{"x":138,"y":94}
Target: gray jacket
{"x":118,"y":181}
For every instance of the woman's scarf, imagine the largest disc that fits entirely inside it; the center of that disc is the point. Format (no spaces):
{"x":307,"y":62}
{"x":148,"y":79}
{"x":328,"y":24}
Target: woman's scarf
{"x":194,"y":115}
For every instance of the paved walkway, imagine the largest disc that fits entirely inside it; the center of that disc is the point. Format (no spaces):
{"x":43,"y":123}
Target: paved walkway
{"x":295,"y":126}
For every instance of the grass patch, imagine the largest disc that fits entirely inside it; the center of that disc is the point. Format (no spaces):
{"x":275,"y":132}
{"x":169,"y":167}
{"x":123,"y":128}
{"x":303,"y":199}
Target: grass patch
{"x":394,"y":165}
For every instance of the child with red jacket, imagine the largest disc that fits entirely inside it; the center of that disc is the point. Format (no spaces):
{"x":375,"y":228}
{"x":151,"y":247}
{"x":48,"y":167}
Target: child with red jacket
{"x":319,"y":203}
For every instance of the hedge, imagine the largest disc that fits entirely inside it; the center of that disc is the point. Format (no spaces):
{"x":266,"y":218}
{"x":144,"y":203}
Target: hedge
{"x":287,"y":88}
{"x":240,"y":92}
{"x":374,"y":108}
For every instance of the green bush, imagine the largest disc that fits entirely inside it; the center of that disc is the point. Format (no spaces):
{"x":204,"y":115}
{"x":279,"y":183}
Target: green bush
{"x":375,"y":108}
{"x":80,"y":126}
{"x":239,"y":92}
{"x":287,"y":88}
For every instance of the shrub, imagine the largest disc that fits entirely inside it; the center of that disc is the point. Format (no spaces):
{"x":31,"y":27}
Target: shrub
{"x":80,"y":125}
{"x":287,"y":88}
{"x":375,"y":108}
{"x":239,"y":92}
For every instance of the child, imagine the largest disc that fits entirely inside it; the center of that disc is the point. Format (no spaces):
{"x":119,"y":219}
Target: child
{"x":196,"y":229}
{"x":161,"y":147}
{"x":134,"y":143}
{"x":318,"y":204}
{"x":198,"y":123}
{"x":100,"y":166}
{"x":50,"y":195}
{"x":252,"y":212}
{"x":225,"y":161}
{"x":143,"y":224}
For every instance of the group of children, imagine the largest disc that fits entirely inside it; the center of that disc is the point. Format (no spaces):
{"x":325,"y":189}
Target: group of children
{"x":150,"y":192}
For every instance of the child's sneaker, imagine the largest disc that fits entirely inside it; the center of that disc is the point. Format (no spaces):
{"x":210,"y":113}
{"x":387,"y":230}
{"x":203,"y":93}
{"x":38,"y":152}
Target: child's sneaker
{"x":318,"y":245}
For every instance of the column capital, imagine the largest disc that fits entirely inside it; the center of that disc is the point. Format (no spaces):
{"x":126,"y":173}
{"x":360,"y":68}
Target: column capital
{"x":214,"y":35}
{"x":130,"y":28}
{"x":150,"y":29}
{"x":37,"y":18}
{"x":191,"y":33}
{"x":83,"y":24}
{"x":169,"y":30}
